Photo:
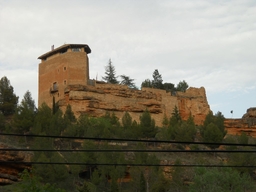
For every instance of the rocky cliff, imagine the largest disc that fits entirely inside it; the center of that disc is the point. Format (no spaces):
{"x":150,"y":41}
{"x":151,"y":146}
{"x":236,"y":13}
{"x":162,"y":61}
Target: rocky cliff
{"x":96,"y":100}
{"x":9,"y":173}
{"x":246,"y":124}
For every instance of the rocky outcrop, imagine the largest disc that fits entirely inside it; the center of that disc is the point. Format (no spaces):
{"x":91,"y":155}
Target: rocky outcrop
{"x":246,"y":124}
{"x":193,"y":102}
{"x":96,"y":100}
{"x":9,"y":172}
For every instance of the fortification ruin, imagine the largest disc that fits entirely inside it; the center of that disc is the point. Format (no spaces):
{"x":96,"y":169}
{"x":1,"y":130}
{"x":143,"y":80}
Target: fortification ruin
{"x":64,"y":76}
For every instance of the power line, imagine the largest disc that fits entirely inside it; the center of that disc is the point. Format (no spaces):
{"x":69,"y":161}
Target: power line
{"x":122,"y":164}
{"x":126,"y":140}
{"x":130,"y":150}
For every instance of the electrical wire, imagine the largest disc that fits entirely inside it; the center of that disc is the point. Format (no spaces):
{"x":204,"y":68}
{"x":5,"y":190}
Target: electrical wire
{"x":126,"y":140}
{"x":130,"y":150}
{"x":122,"y":164}
{"x":124,"y":150}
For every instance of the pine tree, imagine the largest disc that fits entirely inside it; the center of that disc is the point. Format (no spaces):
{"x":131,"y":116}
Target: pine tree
{"x":110,"y":73}
{"x":147,"y":125}
{"x":127,"y":81}
{"x":8,"y":100}
{"x":157,"y":81}
{"x":146,"y":83}
{"x":24,"y":115}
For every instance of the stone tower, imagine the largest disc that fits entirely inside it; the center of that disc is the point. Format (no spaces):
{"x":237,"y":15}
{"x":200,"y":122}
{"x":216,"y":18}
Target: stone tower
{"x":61,"y":67}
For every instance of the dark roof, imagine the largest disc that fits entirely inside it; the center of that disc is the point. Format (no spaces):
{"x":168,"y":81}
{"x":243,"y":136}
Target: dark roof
{"x":65,"y":47}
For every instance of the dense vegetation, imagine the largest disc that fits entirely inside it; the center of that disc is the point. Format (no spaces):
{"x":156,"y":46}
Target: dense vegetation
{"x":92,"y":176}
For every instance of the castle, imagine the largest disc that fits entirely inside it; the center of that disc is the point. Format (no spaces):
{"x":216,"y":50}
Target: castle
{"x":64,"y":76}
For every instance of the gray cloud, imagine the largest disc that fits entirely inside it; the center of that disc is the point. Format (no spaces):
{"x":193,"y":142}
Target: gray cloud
{"x":207,"y":43}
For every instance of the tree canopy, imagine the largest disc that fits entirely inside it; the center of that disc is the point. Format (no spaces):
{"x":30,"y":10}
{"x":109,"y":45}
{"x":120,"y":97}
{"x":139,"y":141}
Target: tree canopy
{"x":25,"y":113}
{"x":8,"y":99}
{"x":182,"y":86}
{"x":126,"y":80}
{"x":157,"y":81}
{"x":110,"y":73}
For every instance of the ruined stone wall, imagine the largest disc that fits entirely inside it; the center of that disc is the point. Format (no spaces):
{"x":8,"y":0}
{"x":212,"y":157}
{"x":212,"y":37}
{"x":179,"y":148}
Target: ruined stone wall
{"x":96,"y":100}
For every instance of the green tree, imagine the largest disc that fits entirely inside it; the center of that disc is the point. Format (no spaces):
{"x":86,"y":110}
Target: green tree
{"x":174,"y":123}
{"x":165,"y":121}
{"x":126,"y":120}
{"x":213,"y":130}
{"x":69,"y":115}
{"x":32,"y":183}
{"x":224,"y":179}
{"x":219,"y":121}
{"x":157,"y":81}
{"x":2,"y":122}
{"x":169,"y":87}
{"x":8,"y":99}
{"x":142,"y":183}
{"x":182,"y":86}
{"x":147,"y":125}
{"x":24,"y":115}
{"x":177,"y":183}
{"x":243,"y":159}
{"x":126,"y":80}
{"x":43,"y":120}
{"x":175,"y":118}
{"x":212,"y":134}
{"x":185,"y":132}
{"x":146,"y":83}
{"x":110,"y":73}
{"x":243,"y":138}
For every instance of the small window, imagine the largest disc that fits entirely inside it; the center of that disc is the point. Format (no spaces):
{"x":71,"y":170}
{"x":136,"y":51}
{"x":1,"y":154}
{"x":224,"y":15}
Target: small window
{"x":55,"y":86}
{"x":76,"y":49}
{"x":64,"y":68}
{"x":65,"y":82}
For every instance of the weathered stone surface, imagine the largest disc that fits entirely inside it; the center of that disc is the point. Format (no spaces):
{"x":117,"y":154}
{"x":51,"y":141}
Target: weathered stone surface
{"x":193,"y":102}
{"x":246,"y":124}
{"x":9,"y":173}
{"x":96,"y":100}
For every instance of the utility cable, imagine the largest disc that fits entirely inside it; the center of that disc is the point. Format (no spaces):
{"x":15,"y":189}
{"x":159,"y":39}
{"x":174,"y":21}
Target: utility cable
{"x":129,"y":150}
{"x":127,"y":140}
{"x":122,"y":164}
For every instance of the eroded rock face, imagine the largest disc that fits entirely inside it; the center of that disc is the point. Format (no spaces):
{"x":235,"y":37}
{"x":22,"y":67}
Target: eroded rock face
{"x":246,"y":124}
{"x":9,"y":173}
{"x":193,"y":102}
{"x":96,"y":100}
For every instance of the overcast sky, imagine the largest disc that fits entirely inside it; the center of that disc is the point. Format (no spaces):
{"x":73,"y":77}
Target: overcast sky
{"x":209,"y":43}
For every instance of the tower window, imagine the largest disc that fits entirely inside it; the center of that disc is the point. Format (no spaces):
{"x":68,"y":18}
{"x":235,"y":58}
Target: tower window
{"x":65,"y":82}
{"x":55,"y":86}
{"x":64,"y":68}
{"x":76,"y":49}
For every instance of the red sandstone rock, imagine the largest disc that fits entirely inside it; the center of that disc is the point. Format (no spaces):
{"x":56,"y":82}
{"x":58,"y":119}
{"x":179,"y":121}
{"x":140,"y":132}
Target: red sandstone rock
{"x":96,"y":100}
{"x":246,"y":124}
{"x":9,"y":173}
